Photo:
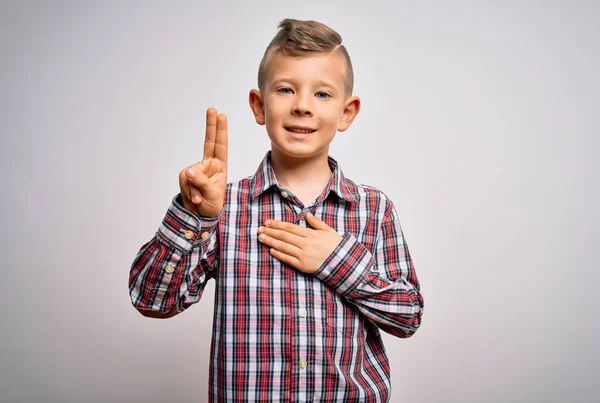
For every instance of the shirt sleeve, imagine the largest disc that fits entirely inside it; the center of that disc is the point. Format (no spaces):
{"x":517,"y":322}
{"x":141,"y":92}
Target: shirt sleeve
{"x":383,"y":285}
{"x":175,"y":265}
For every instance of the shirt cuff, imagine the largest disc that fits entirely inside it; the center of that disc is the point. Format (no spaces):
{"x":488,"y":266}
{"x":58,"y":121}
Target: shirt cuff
{"x":345,"y":268}
{"x":183,"y":230}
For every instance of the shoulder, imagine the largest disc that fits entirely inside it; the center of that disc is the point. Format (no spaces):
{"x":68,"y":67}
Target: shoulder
{"x":371,"y":198}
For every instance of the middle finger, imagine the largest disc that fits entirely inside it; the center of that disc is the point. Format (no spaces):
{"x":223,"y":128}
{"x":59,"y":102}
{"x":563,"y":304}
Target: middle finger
{"x":211,"y":133}
{"x":281,"y":246}
{"x":281,"y":235}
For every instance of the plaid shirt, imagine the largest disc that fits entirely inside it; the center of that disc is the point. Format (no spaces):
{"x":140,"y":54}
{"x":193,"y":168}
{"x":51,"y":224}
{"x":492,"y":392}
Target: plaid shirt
{"x":279,"y":334}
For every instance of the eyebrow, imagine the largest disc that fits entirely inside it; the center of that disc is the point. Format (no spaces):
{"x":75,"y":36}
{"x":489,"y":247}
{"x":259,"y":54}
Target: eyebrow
{"x":321,"y":82}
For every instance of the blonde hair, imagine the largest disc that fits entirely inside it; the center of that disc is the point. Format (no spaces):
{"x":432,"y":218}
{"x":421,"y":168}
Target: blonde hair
{"x":305,"y":38}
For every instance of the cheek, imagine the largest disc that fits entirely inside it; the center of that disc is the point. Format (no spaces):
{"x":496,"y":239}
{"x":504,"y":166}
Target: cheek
{"x":274,"y":111}
{"x":273,"y":121}
{"x":333,"y":115}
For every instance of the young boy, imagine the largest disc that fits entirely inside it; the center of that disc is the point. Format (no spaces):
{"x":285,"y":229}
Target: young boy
{"x":308,"y":265}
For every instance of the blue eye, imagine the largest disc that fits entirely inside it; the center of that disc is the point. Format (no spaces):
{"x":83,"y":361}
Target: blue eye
{"x":284,"y":90}
{"x":322,"y":95}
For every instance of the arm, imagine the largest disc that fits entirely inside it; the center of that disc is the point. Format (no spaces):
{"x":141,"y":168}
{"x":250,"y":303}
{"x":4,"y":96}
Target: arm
{"x":170,"y":272}
{"x":383,"y":285}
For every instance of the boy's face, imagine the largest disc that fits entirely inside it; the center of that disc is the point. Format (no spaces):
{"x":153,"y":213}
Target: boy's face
{"x":304,"y":94}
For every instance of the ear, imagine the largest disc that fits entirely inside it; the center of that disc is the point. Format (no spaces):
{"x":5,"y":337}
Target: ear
{"x":257,"y":106}
{"x":351,"y":109}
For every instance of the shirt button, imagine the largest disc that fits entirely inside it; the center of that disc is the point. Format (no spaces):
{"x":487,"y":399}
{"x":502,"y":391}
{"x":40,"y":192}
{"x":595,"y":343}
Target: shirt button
{"x":188,"y":234}
{"x":204,"y":236}
{"x":284,"y":194}
{"x":303,"y":313}
{"x":302,"y":364}
{"x":169,"y":269}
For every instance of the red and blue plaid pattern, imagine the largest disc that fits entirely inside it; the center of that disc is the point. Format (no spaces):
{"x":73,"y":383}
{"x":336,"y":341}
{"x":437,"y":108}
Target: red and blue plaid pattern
{"x":280,"y":334}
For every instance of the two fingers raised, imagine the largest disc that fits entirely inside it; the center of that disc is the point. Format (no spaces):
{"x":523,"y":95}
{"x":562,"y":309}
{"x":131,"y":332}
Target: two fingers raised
{"x":216,"y":141}
{"x":193,"y":180}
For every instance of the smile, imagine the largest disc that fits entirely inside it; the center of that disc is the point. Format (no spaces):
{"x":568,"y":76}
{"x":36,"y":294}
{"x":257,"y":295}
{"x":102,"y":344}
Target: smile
{"x":302,"y":130}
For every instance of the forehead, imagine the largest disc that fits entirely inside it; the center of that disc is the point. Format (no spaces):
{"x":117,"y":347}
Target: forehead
{"x":330,"y":67}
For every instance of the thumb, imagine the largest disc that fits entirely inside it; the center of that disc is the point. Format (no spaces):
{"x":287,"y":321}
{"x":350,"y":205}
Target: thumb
{"x":316,"y":223}
{"x":198,"y":179}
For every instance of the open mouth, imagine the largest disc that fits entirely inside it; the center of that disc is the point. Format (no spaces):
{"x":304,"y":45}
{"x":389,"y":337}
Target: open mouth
{"x":301,"y":130}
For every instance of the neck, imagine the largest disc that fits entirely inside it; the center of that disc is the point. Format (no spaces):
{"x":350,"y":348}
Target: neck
{"x":294,"y":173}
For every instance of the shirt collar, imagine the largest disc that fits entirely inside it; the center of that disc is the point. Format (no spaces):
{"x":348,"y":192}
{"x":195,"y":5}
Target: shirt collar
{"x":265,"y":178}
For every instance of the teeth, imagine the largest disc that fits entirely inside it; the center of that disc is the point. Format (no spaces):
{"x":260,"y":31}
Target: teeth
{"x":300,"y":130}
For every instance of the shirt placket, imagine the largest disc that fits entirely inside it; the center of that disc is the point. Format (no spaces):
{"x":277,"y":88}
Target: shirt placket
{"x":299,"y":315}
{"x":290,"y":292}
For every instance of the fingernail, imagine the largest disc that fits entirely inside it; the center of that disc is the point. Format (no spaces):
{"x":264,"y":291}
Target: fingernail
{"x":190,"y":173}
{"x":196,"y":199}
{"x":260,"y":230}
{"x":268,"y":222}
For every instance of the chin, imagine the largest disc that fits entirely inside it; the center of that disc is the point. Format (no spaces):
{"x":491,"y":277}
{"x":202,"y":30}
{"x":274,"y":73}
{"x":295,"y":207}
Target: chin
{"x":298,"y":151}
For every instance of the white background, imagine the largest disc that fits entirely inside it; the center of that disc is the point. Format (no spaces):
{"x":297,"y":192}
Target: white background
{"x":479,"y":120}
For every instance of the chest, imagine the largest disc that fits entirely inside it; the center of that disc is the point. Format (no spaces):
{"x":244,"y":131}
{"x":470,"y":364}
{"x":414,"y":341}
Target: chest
{"x":239,"y":226}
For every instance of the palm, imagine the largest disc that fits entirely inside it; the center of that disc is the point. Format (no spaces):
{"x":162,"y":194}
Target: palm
{"x":214,"y":194}
{"x":214,"y":167}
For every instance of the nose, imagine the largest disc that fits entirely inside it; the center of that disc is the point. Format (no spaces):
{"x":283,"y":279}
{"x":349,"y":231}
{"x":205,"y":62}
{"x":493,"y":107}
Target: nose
{"x":302,"y":106}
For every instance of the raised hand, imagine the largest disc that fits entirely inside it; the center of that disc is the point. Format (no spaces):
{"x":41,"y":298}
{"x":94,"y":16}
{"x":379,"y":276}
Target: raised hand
{"x":203,"y":184}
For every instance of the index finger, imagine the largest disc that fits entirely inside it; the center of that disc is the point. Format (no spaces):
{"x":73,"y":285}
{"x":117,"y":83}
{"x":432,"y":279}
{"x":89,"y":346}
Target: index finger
{"x":286,"y":226}
{"x":211,"y":133}
{"x":222,"y":139}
